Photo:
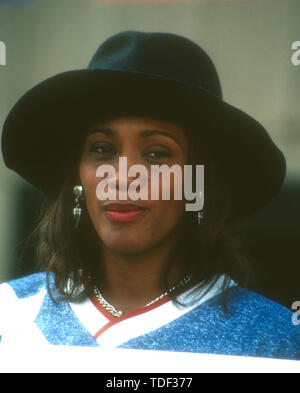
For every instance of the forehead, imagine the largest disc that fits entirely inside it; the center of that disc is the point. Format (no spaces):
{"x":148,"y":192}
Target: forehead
{"x":137,"y":126}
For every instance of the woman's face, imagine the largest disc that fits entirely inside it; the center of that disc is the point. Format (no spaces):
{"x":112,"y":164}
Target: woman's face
{"x":132,"y":225}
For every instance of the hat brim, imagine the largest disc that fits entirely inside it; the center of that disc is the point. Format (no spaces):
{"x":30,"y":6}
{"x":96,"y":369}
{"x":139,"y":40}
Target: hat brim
{"x":44,"y":125}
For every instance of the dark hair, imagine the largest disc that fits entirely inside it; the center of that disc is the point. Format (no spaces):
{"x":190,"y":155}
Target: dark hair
{"x":209,"y":250}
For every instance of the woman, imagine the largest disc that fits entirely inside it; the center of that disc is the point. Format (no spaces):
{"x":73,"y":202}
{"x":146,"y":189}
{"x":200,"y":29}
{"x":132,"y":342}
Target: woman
{"x":142,"y":273}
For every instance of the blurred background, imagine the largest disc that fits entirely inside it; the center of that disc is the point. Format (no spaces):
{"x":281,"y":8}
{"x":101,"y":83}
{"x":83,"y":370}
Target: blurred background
{"x":250,"y":43}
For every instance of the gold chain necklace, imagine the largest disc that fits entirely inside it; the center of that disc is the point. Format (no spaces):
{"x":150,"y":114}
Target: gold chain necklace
{"x":114,"y":312}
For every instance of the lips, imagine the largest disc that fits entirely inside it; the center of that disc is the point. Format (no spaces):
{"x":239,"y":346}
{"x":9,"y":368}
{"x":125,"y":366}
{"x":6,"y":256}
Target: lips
{"x":124,"y":212}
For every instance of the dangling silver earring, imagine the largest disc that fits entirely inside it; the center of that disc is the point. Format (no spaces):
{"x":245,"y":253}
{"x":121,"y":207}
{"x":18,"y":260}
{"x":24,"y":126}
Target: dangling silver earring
{"x":78,"y":192}
{"x":199,"y":217}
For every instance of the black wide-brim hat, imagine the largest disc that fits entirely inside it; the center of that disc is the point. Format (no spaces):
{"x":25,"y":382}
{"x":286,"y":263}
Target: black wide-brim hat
{"x":152,"y":74}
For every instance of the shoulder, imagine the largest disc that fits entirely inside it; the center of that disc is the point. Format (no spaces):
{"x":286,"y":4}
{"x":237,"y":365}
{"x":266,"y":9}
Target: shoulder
{"x":25,"y":287}
{"x":20,"y":301}
{"x":252,"y":325}
{"x":29,"y":314}
{"x":251,"y":309}
{"x":27,"y":310}
{"x":251,"y":305}
{"x":19,"y":297}
{"x":256,"y":321}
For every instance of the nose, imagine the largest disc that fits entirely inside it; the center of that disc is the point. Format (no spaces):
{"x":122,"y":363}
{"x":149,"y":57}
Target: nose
{"x":131,"y":175}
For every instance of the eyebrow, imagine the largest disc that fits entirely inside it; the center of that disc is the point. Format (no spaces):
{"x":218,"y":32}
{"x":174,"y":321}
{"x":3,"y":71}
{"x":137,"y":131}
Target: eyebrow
{"x":102,"y":130}
{"x":144,"y":134}
{"x":148,"y":133}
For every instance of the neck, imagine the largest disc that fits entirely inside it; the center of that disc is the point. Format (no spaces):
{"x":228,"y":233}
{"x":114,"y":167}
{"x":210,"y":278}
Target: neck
{"x":133,"y":280}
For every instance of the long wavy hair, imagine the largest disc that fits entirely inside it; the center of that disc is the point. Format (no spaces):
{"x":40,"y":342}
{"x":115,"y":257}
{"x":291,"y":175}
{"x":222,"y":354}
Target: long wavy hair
{"x":209,"y":250}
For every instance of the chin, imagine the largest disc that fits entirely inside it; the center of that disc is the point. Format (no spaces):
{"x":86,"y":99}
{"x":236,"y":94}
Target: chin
{"x":127,"y":248}
{"x":128,"y":244}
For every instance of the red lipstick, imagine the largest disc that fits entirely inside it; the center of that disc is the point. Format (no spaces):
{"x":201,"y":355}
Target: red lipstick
{"x":124,"y":212}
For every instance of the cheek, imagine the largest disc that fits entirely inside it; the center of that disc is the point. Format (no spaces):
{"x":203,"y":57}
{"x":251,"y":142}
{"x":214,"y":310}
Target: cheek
{"x":170,"y":212}
{"x":89,"y":181}
{"x":87,"y":178}
{"x":165,"y":215}
{"x":169,"y":187}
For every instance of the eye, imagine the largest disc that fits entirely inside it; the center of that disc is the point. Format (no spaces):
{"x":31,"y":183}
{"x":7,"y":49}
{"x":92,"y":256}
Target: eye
{"x":158,"y":153}
{"x":103,"y":150}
